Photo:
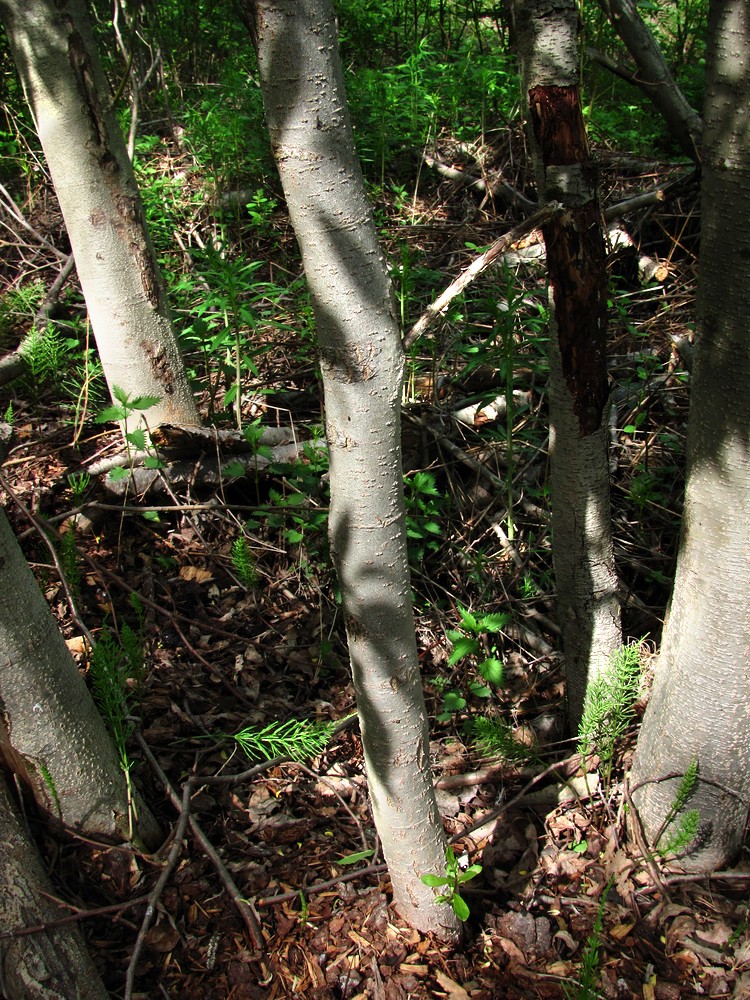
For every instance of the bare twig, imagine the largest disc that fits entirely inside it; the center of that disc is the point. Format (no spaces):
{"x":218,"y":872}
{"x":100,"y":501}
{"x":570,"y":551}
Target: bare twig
{"x":243,"y":907}
{"x":156,"y":892}
{"x":639,"y":836}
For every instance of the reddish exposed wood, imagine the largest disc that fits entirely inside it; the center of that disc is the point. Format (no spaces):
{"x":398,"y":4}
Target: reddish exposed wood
{"x":576,"y":256}
{"x":558,"y":125}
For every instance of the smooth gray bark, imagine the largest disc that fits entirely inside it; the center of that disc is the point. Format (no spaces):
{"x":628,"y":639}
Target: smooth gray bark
{"x":55,"y":54}
{"x":654,"y":76}
{"x":362,"y":366}
{"x":51,"y":734}
{"x":54,"y":964}
{"x":588,"y":607}
{"x":700,"y":705}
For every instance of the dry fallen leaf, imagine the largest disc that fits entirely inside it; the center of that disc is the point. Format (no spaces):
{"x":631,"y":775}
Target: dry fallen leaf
{"x":194,"y":574}
{"x":453,"y":989}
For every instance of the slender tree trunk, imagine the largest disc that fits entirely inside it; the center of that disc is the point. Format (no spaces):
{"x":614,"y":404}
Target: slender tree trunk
{"x":53,"y":964}
{"x":589,"y":610}
{"x":55,"y":54}
{"x":362,"y":365}
{"x":700,"y":705}
{"x":654,"y":76}
{"x":51,"y":734}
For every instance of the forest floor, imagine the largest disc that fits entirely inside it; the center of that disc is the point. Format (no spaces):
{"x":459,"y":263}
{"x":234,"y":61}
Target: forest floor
{"x":565,"y":904}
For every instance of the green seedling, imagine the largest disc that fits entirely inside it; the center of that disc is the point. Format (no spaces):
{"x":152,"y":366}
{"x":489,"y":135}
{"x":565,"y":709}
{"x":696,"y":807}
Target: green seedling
{"x":680,"y":826}
{"x":425,"y":505}
{"x":298,"y":739}
{"x":471,"y":644}
{"x":494,"y":738}
{"x":116,"y":668}
{"x":122,"y":411}
{"x":70,"y":561}
{"x":591,"y":959}
{"x":609,"y":707}
{"x":78,"y":482}
{"x":453,"y":878}
{"x":243,"y":563}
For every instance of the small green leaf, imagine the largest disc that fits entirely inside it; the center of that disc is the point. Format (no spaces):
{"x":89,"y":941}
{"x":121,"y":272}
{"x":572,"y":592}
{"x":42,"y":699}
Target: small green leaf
{"x":580,"y":848}
{"x":464,"y":646}
{"x":434,"y":880}
{"x":480,"y":690}
{"x":492,"y":670}
{"x":453,"y":702}
{"x":471,"y":872}
{"x":469,"y":621}
{"x":151,"y":515}
{"x":120,"y":395}
{"x":352,"y":859}
{"x":144,"y":402}
{"x":111,"y":413}
{"x":118,"y":473}
{"x":153,"y":462}
{"x":137,"y":438}
{"x":460,"y":907}
{"x":233,"y":469}
{"x":493,"y":623}
{"x":293,"y":536}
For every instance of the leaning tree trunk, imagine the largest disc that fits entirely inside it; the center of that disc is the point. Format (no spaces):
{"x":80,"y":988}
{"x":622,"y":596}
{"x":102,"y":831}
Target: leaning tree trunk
{"x":700,"y":705}
{"x":53,"y":964}
{"x":589,"y":611}
{"x":362,"y":364}
{"x":51,"y":734}
{"x":654,"y":76}
{"x":55,"y":54}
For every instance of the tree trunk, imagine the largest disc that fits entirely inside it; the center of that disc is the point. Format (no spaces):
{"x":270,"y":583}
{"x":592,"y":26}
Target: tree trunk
{"x":51,"y":734}
{"x":53,"y":964}
{"x":55,"y":54}
{"x":654,"y":76}
{"x":362,"y":366}
{"x":589,"y":610}
{"x":699,"y":705}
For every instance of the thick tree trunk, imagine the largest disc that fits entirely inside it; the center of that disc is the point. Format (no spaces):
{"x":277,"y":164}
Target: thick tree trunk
{"x":362,"y":365}
{"x":654,"y":76}
{"x":588,"y":607}
{"x":55,"y":54}
{"x":53,"y":964}
{"x":701,"y":697}
{"x":51,"y":734}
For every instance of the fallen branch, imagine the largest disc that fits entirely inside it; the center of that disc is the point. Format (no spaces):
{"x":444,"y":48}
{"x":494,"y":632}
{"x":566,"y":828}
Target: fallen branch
{"x":492,"y":187}
{"x":513,"y":239}
{"x":242,"y":906}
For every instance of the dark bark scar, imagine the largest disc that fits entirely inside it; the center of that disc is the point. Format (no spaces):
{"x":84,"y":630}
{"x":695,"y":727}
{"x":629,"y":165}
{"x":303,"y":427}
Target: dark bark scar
{"x":576,"y":257}
{"x":160,"y":366}
{"x":350,"y":363}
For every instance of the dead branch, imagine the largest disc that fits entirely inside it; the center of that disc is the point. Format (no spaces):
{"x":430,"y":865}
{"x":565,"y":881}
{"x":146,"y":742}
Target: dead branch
{"x":517,"y":237}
